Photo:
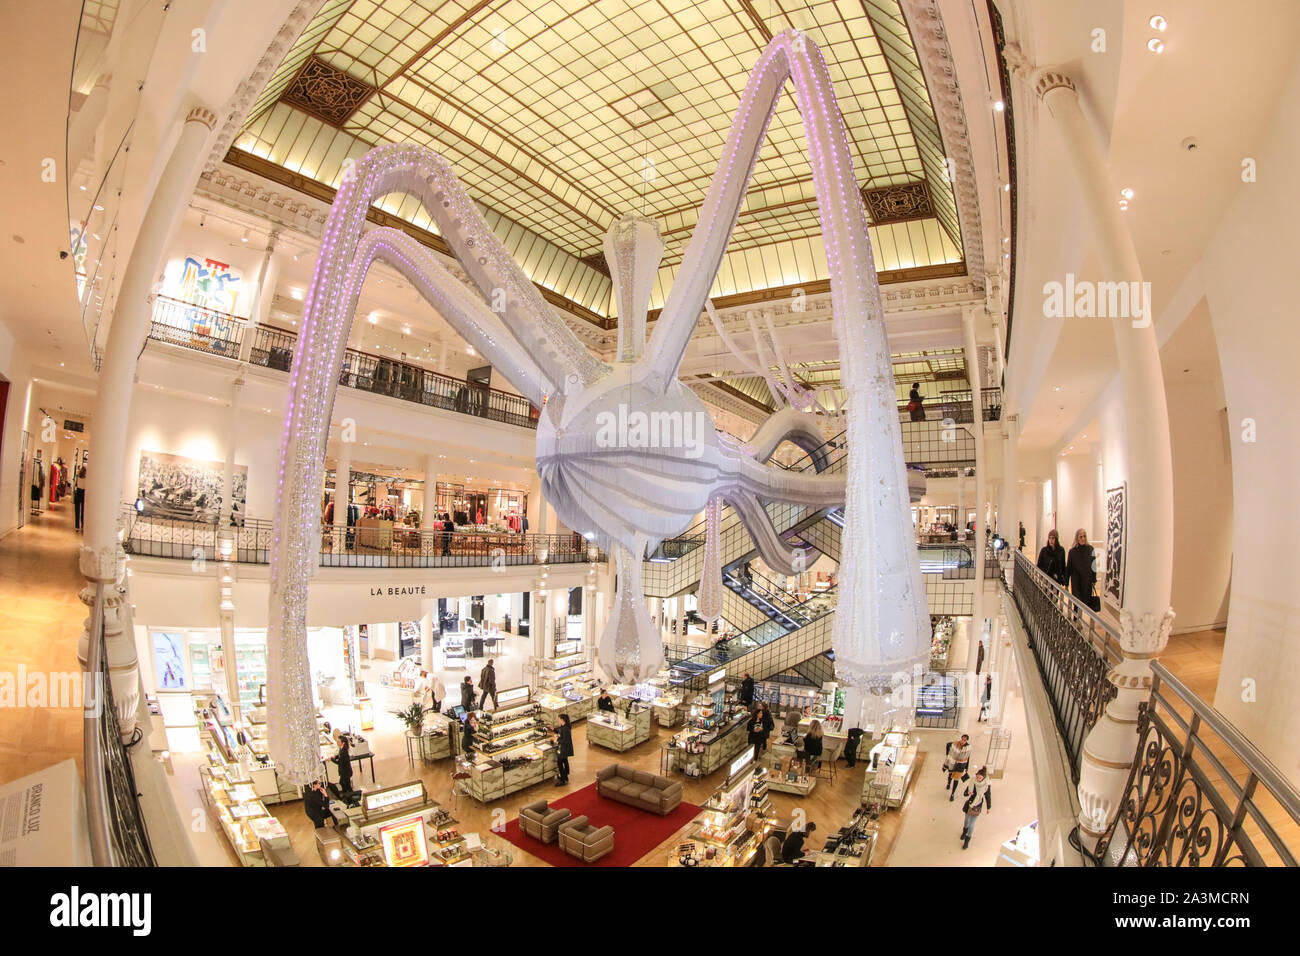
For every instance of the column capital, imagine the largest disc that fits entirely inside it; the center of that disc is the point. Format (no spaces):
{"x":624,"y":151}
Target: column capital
{"x":201,"y":114}
{"x":1047,"y":80}
{"x":1144,"y":636}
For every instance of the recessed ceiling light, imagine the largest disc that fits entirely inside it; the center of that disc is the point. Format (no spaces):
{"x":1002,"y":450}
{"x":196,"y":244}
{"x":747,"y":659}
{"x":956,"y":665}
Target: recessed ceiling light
{"x":1006,"y":187}
{"x":1126,"y":193}
{"x":1158,"y":22}
{"x":1156,"y":45}
{"x":999,"y":106}
{"x":1123,"y":204}
{"x":244,"y":237}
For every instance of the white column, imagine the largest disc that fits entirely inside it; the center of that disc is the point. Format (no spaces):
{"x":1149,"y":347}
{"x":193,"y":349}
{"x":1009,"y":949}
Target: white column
{"x":537,"y":615}
{"x":1009,"y":516}
{"x":101,"y":555}
{"x":961,"y":501}
{"x":977,"y":429}
{"x":1146,"y":619}
{"x":426,"y":633}
{"x":263,"y":294}
{"x":1097,"y":533}
{"x":232,"y":440}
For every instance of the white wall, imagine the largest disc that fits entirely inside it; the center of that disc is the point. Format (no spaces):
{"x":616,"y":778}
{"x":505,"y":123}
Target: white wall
{"x":15,"y":369}
{"x":1252,"y":285}
{"x":1075,"y":482}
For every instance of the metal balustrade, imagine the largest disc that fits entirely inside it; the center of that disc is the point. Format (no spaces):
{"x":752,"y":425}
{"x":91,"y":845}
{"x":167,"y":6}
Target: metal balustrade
{"x":218,"y":333}
{"x":1074,"y":649}
{"x":357,"y":547}
{"x":117,"y":830}
{"x":1199,"y":793}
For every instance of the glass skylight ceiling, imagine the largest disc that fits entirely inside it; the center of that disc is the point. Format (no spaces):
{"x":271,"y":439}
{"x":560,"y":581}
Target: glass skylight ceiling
{"x":559,"y":116}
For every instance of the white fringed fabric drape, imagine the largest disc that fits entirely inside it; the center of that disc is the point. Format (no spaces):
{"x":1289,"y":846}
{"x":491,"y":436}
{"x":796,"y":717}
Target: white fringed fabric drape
{"x":710,"y":599}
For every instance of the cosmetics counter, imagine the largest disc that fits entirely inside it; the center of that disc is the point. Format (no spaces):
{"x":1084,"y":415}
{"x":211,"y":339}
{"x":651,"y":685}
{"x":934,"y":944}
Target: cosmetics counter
{"x":1022,"y":850}
{"x":393,"y":826}
{"x":566,"y":684}
{"x":712,"y":737}
{"x":621,"y":730}
{"x":851,"y":845}
{"x":889,"y":770}
{"x":787,"y":772}
{"x":733,"y":822}
{"x":246,"y":747}
{"x":433,"y":742}
{"x":512,"y":749}
{"x":666,"y":703}
{"x":231,"y":797}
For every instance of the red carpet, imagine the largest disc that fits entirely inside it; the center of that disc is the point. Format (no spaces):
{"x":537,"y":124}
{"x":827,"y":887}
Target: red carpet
{"x":636,"y":832}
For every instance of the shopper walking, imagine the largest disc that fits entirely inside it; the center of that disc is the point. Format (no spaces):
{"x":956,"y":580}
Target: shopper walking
{"x":956,"y":761}
{"x":79,"y":500}
{"x":487,"y":683}
{"x":747,"y":690}
{"x":563,"y":749}
{"x":760,"y":727}
{"x":1051,"y":560}
{"x":467,"y":694}
{"x":1082,"y":565}
{"x":979,"y":799}
{"x":915,"y":403}
{"x":1022,"y":537}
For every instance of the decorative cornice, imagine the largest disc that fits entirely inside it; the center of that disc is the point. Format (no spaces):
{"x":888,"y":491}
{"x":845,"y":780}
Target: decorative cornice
{"x":201,"y":114}
{"x":935,"y":56}
{"x":246,"y":95}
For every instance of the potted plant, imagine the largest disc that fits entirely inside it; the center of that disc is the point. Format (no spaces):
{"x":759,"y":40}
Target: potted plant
{"x":413,"y":717}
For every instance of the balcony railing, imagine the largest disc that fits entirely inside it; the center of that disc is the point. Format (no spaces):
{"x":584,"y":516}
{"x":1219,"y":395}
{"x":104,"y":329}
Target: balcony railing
{"x":1074,"y":649}
{"x":118,"y":835}
{"x":1199,"y":793}
{"x":359,"y":547}
{"x":217,"y":333}
{"x":957,"y":407}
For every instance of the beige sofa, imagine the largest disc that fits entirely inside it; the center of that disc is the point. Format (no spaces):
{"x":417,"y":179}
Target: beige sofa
{"x":588,"y":843}
{"x":540,"y":822}
{"x":639,"y":788}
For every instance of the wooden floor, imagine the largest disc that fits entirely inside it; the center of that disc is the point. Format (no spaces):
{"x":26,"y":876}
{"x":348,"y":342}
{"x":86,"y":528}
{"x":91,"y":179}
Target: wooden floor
{"x":40,"y":621}
{"x":830,"y":805}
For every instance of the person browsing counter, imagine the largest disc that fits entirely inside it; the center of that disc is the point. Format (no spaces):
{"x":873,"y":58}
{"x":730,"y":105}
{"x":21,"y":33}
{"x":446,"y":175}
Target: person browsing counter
{"x":605,"y":702}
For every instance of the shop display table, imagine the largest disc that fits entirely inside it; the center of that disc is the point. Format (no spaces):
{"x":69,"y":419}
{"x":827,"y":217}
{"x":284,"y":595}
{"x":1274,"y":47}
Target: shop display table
{"x":553,"y":705}
{"x":699,"y":753}
{"x":889,"y":770}
{"x":668,"y":711}
{"x":374,"y":534}
{"x":492,"y":779}
{"x":618,"y":733}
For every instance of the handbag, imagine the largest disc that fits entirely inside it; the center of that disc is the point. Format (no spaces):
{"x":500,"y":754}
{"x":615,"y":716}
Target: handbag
{"x":911,"y":406}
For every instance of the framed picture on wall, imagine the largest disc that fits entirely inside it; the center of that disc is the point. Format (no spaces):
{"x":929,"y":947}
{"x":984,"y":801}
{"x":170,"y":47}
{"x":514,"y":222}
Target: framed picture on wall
{"x":189,"y":489}
{"x":1116,"y":530}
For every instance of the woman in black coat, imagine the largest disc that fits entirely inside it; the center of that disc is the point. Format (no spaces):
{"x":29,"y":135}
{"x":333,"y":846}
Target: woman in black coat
{"x":760,"y":726}
{"x":1081,"y":563}
{"x":467,"y":693}
{"x":344,"y":762}
{"x":563,"y":749}
{"x":467,"y":734}
{"x":1051,"y":560}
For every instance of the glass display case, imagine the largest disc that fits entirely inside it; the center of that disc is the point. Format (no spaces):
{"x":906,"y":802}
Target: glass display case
{"x":512,"y":748}
{"x":621,"y":730}
{"x":733,"y":821}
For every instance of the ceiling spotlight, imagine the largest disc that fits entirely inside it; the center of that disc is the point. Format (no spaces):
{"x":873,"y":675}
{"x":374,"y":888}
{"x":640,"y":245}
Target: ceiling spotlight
{"x":1156,"y":45}
{"x":406,"y":330}
{"x":999,"y":106}
{"x":1006,"y":187}
{"x":244,"y":237}
{"x":373,"y":318}
{"x":1158,"y":22}
{"x":1123,"y":204}
{"x":1126,"y":193}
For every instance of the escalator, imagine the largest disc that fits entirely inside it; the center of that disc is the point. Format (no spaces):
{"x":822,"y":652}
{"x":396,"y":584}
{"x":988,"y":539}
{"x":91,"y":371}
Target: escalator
{"x":779,"y":633}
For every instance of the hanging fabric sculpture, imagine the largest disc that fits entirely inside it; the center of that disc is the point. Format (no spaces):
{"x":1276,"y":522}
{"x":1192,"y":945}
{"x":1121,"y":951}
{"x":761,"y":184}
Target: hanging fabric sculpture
{"x":709,"y":602}
{"x":626,"y":454}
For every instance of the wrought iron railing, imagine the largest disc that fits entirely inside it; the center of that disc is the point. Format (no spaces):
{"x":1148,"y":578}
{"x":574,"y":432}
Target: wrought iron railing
{"x":217,"y":333}
{"x":1199,"y":793}
{"x":118,"y":835}
{"x":956,"y":407}
{"x":355,"y":546}
{"x":1074,"y":649}
{"x":194,"y":327}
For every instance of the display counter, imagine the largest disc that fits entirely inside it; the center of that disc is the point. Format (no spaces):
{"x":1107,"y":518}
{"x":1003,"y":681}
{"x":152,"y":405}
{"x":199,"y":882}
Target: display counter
{"x":733,"y":822}
{"x":789,"y":774}
{"x":566,"y":684}
{"x":434,"y":741}
{"x":374,"y":534}
{"x":666,"y":702}
{"x":578,"y":704}
{"x":889,"y":770}
{"x":1022,"y":850}
{"x":698,"y":752}
{"x":511,"y":750}
{"x":230,"y":796}
{"x":619,"y":731}
{"x":851,"y":845}
{"x":397,"y":826}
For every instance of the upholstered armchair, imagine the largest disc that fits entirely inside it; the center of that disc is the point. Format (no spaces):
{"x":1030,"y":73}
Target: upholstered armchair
{"x":580,"y":839}
{"x":542,"y":823}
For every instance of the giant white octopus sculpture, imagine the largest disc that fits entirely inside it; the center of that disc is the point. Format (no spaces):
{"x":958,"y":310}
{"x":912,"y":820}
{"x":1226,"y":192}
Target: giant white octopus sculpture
{"x":624,"y":451}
